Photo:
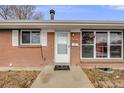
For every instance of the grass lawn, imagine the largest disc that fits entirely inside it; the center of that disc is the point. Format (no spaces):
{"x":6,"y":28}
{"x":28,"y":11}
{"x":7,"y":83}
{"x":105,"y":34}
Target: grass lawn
{"x":105,"y":80}
{"x":17,"y":79}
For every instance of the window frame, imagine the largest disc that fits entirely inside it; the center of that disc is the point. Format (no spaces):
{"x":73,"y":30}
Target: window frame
{"x":94,"y":44}
{"x":30,"y":37}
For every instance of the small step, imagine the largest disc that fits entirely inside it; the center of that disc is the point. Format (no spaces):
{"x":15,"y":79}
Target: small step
{"x":61,"y":67}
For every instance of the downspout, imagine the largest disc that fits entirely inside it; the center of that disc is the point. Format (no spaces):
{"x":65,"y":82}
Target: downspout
{"x":41,"y":49}
{"x":42,"y":52}
{"x":52,"y":13}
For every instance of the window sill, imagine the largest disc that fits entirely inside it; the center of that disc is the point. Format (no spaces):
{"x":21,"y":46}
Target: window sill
{"x":102,"y":60}
{"x":30,"y":46}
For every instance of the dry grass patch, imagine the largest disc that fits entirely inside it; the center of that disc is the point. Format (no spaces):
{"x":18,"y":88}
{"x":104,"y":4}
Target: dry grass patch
{"x":17,"y":79}
{"x":106,"y":80}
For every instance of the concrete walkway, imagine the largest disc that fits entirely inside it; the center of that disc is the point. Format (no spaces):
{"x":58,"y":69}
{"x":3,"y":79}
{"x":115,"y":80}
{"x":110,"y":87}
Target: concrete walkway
{"x":75,"y":78}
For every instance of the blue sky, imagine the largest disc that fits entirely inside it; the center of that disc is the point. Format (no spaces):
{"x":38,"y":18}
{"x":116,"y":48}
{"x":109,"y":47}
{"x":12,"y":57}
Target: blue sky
{"x":83,"y":12}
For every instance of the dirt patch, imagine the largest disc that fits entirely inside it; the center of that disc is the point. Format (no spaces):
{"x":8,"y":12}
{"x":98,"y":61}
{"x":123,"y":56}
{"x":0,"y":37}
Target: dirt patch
{"x":106,"y":80}
{"x":17,"y":79}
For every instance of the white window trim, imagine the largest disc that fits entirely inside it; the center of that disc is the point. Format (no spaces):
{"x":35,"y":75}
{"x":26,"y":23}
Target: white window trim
{"x":15,"y":37}
{"x":30,"y":38}
{"x":108,"y":41}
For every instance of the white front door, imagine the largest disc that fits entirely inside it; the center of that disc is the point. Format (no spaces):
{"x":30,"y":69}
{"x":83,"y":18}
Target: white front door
{"x":62,"y":47}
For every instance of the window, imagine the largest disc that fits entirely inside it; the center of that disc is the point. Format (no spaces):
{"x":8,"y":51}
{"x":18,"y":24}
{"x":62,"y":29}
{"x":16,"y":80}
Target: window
{"x":102,"y":44}
{"x":87,"y":51}
{"x":62,"y":43}
{"x":62,"y":49}
{"x":35,"y":37}
{"x":87,"y":45}
{"x":115,"y":44}
{"x":30,"y":37}
{"x":115,"y":51}
{"x":25,"y":37}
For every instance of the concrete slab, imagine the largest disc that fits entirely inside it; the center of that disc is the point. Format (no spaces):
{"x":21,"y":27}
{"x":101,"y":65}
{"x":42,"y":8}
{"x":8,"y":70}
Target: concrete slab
{"x":75,"y":78}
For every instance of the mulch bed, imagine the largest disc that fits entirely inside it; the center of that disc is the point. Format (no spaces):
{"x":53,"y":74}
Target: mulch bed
{"x":106,"y":80}
{"x":17,"y":79}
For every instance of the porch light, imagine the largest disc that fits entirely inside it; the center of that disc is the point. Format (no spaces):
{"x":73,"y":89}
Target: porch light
{"x":73,"y":34}
{"x":10,"y":64}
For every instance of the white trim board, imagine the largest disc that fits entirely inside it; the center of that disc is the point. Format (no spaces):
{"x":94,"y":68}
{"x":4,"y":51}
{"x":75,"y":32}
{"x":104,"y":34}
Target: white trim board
{"x":75,"y":30}
{"x":15,"y":37}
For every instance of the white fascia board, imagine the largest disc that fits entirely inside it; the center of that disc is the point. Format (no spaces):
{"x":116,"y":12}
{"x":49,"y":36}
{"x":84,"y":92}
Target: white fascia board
{"x":75,"y":30}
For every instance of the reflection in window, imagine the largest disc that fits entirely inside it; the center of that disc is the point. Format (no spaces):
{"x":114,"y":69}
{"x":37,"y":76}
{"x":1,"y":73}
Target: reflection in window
{"x":25,"y":37}
{"x":115,"y":51}
{"x":62,"y":49}
{"x":87,"y":37}
{"x":87,"y":44}
{"x":115,"y":44}
{"x":35,"y":37}
{"x":106,"y":44}
{"x":30,"y":37}
{"x":115,"y":37}
{"x":101,"y":44}
{"x":87,"y":51}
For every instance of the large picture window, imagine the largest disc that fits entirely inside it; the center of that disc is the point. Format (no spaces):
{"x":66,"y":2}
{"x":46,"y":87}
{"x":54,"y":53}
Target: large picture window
{"x":30,"y":37}
{"x":102,"y":44}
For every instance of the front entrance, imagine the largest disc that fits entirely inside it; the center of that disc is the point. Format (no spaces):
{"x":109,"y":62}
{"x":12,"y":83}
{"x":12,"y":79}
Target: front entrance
{"x":62,"y":47}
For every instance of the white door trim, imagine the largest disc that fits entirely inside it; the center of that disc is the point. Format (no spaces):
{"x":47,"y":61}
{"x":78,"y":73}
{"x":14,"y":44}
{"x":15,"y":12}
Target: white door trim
{"x":55,"y":47}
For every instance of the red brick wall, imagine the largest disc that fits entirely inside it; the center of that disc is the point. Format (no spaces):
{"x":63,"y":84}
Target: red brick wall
{"x":75,"y":50}
{"x":28,"y":56}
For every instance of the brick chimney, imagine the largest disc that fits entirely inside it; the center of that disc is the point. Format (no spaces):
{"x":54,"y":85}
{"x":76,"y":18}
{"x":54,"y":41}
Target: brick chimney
{"x":52,"y":13}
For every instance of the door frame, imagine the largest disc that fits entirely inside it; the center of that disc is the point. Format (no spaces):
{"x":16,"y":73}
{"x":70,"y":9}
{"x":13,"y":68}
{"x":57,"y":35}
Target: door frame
{"x":55,"y":46}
